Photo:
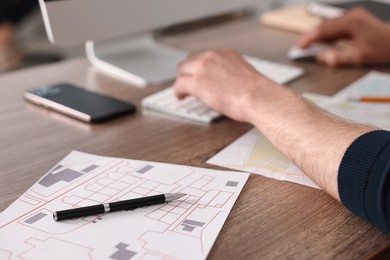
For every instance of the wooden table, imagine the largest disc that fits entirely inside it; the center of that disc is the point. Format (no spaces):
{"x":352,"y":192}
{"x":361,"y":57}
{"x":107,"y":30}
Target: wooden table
{"x":271,"y":219}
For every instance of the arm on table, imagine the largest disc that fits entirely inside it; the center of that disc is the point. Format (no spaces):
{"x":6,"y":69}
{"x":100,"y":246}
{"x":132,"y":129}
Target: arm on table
{"x":311,"y":138}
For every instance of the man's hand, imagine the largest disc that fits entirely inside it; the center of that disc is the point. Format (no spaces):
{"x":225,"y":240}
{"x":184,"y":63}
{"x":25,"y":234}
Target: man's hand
{"x":368,"y":37}
{"x":224,"y":81}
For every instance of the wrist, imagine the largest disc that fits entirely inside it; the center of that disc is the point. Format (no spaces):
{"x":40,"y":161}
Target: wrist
{"x":269,"y":101}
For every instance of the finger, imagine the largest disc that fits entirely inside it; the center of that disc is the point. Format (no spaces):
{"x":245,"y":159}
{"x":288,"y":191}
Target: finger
{"x":186,"y":66}
{"x":183,"y":87}
{"x":328,"y":30}
{"x":194,"y":63}
{"x":198,"y":64}
{"x":340,"y":57}
{"x":195,"y":55}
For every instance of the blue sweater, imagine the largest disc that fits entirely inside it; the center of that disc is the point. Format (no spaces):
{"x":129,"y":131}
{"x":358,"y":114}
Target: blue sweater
{"x":364,"y":178}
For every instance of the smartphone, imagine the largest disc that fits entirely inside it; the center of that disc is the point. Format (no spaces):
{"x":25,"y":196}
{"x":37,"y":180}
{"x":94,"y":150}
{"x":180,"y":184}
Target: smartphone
{"x":79,"y":103}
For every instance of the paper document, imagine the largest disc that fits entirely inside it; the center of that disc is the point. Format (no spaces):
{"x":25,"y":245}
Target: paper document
{"x":182,"y":229}
{"x":373,"y":114}
{"x":373,"y":84}
{"x":254,"y":153}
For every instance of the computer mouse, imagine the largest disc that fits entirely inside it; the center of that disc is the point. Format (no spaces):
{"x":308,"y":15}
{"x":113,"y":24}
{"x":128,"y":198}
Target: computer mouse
{"x":309,"y":53}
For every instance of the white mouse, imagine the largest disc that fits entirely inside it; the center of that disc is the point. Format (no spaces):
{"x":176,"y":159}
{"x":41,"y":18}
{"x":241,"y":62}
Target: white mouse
{"x":296,"y":53}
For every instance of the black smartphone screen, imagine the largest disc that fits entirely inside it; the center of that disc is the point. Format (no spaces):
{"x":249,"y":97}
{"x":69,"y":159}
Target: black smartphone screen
{"x":77,"y":102}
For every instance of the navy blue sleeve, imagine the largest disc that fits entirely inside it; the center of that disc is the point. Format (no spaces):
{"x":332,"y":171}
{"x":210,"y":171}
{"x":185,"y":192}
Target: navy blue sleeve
{"x":364,"y":178}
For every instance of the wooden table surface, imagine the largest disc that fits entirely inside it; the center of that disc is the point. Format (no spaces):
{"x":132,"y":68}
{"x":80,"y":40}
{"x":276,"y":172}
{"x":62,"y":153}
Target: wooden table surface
{"x":271,"y":219}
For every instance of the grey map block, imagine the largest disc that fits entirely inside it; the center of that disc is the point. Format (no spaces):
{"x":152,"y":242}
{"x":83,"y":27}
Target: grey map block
{"x":145,"y":169}
{"x":67,"y":175}
{"x":122,"y":253}
{"x":35,"y":218}
{"x":90,"y":168}
{"x":190,"y":225}
{"x":193,"y":223}
{"x":188,"y":228}
{"x":232,"y":184}
{"x":57,"y":167}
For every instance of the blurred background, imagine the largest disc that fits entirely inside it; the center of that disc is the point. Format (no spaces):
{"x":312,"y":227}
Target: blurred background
{"x":23,"y":40}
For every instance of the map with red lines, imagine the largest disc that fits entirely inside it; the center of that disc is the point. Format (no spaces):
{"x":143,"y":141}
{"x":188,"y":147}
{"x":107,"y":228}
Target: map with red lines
{"x":182,"y":229}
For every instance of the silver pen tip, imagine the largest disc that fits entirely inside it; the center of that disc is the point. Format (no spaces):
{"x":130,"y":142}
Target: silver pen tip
{"x":55,"y":217}
{"x":173,"y":196}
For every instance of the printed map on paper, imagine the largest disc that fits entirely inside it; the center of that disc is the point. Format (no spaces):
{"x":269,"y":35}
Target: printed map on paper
{"x":253,"y":153}
{"x":182,"y":229}
{"x":372,"y":84}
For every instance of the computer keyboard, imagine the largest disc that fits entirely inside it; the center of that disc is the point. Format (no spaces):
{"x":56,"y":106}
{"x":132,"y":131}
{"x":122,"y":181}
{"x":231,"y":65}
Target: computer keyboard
{"x":192,"y":108}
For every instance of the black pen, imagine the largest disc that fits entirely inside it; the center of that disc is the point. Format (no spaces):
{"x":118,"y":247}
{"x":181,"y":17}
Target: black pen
{"x":116,"y":206}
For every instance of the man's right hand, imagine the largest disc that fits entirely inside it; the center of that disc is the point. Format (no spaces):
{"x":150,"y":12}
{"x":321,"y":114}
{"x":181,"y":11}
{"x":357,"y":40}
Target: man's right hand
{"x":225,"y":82}
{"x":368,"y":37}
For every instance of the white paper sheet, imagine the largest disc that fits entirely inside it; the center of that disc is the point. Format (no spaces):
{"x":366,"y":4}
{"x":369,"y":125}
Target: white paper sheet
{"x":372,"y":84}
{"x":182,"y":229}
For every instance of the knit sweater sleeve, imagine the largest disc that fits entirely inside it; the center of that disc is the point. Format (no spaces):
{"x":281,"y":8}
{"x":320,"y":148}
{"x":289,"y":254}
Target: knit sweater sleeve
{"x":364,"y":178}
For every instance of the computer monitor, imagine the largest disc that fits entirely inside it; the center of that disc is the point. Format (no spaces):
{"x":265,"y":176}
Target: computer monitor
{"x":101,"y":23}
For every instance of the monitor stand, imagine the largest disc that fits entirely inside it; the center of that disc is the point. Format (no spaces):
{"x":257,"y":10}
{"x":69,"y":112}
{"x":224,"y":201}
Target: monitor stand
{"x":140,"y":61}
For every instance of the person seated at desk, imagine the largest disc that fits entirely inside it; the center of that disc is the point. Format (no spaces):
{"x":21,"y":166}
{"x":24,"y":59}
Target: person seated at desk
{"x":349,"y":161}
{"x":11,"y":13}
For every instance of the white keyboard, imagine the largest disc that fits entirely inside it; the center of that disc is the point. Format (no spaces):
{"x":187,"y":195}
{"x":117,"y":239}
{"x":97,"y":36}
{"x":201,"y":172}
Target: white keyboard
{"x":192,"y":108}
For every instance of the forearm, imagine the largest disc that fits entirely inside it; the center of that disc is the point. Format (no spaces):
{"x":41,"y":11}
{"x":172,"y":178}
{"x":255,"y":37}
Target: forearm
{"x":312,"y":139}
{"x":323,"y":146}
